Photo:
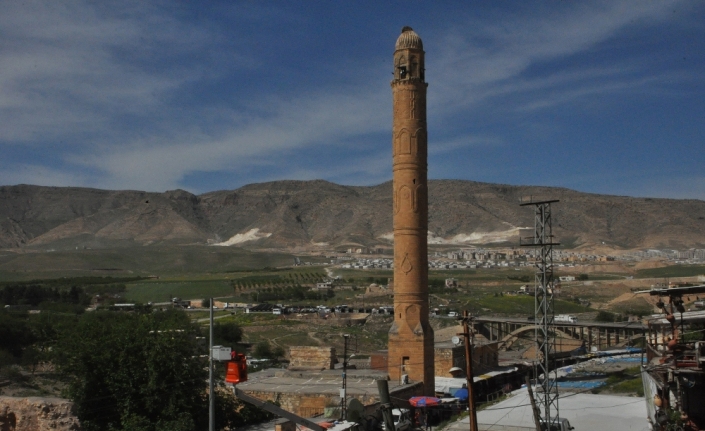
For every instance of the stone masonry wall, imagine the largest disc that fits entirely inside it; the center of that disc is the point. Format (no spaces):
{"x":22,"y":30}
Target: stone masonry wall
{"x":447,"y":358}
{"x":37,"y":414}
{"x":484,"y":358}
{"x":378,"y":361}
{"x":311,"y":358}
{"x":305,"y":404}
{"x":310,"y":404}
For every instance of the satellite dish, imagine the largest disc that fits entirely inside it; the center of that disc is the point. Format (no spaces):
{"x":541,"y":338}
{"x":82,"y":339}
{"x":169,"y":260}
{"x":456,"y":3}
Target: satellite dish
{"x":455,"y":340}
{"x":355,"y":410}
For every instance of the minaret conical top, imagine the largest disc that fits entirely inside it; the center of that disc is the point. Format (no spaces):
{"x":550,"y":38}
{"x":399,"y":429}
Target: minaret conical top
{"x":408,"y":39}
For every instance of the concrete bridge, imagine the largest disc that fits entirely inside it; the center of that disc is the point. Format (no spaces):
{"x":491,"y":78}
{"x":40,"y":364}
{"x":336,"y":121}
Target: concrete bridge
{"x":508,"y":330}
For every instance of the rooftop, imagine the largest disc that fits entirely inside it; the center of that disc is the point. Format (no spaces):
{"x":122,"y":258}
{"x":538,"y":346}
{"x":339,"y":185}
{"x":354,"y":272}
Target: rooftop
{"x":359,"y":382}
{"x":584,"y":411}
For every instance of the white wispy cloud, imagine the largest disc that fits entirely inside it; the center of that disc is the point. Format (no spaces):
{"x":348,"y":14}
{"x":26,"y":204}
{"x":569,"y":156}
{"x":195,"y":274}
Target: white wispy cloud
{"x":463,"y":142}
{"x":673,"y":187}
{"x":484,"y":60}
{"x":43,"y":175}
{"x":162,"y":163}
{"x":105,"y":90}
{"x":74,"y":73}
{"x":69,"y":69}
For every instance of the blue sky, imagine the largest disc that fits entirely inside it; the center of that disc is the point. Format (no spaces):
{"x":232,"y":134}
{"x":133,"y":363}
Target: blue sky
{"x":603,"y":97}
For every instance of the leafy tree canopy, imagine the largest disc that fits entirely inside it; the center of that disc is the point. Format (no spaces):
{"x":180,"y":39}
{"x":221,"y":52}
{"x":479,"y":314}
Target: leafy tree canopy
{"x":135,"y":371}
{"x":227,"y":334}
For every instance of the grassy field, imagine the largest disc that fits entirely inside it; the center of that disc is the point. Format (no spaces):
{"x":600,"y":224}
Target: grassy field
{"x":151,"y":260}
{"x":637,"y":305}
{"x":517,"y":305}
{"x":463,"y":276}
{"x":219,"y":285}
{"x":197,"y":272}
{"x":478,"y":291}
{"x":161,"y":291}
{"x":672,"y":271}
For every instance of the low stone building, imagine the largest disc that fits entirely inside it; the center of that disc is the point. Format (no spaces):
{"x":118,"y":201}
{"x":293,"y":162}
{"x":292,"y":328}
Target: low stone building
{"x":312,"y":358}
{"x":311,"y":384}
{"x":485,"y":357}
{"x":309,"y":393}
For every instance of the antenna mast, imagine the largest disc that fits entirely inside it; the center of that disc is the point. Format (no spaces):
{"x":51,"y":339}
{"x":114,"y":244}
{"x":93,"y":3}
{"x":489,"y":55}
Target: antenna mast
{"x":542,"y":241}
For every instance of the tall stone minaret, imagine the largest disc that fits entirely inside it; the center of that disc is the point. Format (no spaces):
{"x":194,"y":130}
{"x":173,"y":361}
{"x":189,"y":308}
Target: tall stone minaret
{"x":411,"y":336}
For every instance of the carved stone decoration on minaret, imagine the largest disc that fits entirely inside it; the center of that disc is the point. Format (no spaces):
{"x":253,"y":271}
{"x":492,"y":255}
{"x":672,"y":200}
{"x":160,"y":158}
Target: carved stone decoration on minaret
{"x":411,"y":336}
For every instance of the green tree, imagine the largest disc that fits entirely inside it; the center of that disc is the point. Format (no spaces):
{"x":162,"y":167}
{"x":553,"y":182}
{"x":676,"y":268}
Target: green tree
{"x":278,"y":352}
{"x":228,"y":333}
{"x":604,"y":316}
{"x":45,"y":328}
{"x":232,"y":413}
{"x":131,"y":371}
{"x":15,"y":333}
{"x":262,"y":350}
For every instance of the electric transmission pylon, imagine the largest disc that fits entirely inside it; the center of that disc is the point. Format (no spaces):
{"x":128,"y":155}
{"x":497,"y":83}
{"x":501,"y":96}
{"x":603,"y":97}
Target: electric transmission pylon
{"x":542,"y":241}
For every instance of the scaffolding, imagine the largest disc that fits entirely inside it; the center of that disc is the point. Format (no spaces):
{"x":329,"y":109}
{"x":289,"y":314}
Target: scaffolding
{"x":542,"y":241}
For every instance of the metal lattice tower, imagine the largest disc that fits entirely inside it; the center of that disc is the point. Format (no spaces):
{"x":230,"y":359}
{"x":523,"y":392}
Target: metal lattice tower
{"x":542,"y":240}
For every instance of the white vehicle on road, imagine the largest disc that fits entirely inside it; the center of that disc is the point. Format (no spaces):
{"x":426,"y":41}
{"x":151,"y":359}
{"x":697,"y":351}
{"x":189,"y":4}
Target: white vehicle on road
{"x":565,"y":318}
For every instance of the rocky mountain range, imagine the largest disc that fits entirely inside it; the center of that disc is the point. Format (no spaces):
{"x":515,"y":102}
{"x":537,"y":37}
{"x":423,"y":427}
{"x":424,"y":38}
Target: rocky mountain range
{"x":322,"y":215}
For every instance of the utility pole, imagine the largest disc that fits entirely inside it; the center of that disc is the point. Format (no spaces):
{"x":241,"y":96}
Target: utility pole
{"x":386,"y":405}
{"x":534,"y":409}
{"x":468,"y":371}
{"x":211,"y":395}
{"x":343,"y":391}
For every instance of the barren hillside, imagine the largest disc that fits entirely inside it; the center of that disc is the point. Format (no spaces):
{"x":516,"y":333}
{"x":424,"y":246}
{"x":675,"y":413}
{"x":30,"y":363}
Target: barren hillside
{"x":286,"y":214}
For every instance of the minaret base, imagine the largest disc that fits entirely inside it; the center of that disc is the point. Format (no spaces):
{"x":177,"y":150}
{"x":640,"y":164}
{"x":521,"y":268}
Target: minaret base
{"x":415,"y":358}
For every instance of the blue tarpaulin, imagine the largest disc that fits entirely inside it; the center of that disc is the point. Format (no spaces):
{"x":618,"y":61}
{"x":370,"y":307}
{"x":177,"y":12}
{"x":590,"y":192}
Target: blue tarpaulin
{"x":461,"y":394}
{"x":581,"y":384}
